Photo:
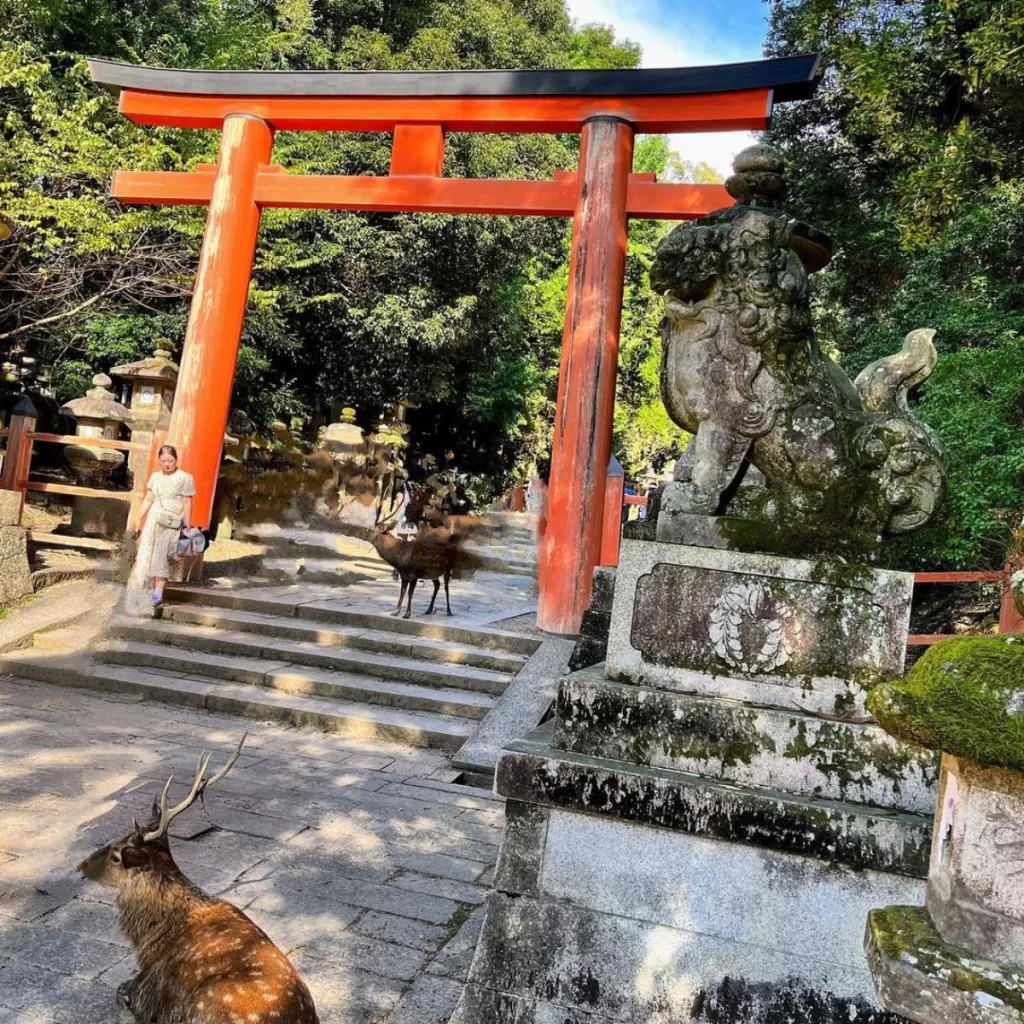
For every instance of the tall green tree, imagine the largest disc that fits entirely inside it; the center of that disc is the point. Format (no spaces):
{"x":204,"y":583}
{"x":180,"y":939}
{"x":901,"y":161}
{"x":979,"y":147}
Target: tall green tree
{"x":911,"y":156}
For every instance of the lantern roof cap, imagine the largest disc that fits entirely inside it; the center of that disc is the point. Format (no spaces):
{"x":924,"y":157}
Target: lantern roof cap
{"x":158,"y":366}
{"x":98,"y":404}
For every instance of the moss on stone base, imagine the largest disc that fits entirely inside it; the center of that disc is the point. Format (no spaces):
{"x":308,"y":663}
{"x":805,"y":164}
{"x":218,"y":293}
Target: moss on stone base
{"x":907,"y":936}
{"x":964,"y":697}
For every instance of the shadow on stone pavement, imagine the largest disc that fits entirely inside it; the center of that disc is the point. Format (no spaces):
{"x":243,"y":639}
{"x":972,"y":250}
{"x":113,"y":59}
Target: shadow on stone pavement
{"x":362,"y":861}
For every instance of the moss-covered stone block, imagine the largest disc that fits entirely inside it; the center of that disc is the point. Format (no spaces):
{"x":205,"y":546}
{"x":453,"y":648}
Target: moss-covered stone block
{"x":964,"y":697}
{"x":921,"y":976}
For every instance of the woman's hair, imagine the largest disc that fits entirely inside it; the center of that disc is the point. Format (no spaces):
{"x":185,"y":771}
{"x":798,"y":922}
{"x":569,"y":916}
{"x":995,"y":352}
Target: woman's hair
{"x":168,"y":449}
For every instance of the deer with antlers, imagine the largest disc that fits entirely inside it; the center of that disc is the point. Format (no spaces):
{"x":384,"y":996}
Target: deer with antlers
{"x":432,"y":554}
{"x":201,"y":960}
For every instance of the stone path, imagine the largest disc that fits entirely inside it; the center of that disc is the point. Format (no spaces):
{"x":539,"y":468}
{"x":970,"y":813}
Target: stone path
{"x":362,"y":861}
{"x":57,"y":606}
{"x":481,"y":600}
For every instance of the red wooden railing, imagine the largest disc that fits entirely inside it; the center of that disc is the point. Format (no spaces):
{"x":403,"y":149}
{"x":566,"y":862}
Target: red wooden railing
{"x":1010,"y":620}
{"x":21,"y":440}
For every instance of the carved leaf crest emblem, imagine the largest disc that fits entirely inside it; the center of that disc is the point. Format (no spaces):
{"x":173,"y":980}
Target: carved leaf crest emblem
{"x":747,"y":628}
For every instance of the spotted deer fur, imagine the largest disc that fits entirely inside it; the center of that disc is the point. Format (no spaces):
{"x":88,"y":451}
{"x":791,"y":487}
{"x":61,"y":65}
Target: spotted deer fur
{"x":200,"y":959}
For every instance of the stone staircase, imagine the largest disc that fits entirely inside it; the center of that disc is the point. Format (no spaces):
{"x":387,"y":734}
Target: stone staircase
{"x":60,"y":558}
{"x":351,"y":673}
{"x":511,"y":548}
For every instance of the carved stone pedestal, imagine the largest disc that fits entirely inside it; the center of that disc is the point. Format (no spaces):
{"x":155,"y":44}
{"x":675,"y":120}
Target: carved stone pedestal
{"x":700,"y":831}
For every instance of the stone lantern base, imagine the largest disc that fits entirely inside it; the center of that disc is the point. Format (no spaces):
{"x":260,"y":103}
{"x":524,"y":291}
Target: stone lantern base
{"x":96,"y":517}
{"x":960,"y":958}
{"x":948,"y":962}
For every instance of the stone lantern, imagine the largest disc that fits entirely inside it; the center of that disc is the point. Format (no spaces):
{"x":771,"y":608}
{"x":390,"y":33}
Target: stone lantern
{"x":356,"y":480}
{"x":150,"y":395}
{"x":345,"y":440}
{"x":98,"y":414}
{"x":961,"y":957}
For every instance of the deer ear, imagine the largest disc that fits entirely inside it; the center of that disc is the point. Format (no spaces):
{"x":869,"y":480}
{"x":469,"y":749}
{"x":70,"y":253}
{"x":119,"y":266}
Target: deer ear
{"x":134,"y":857}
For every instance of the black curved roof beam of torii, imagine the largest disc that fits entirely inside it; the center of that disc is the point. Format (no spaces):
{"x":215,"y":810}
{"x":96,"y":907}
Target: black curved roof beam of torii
{"x":717,"y":98}
{"x":790,"y":78}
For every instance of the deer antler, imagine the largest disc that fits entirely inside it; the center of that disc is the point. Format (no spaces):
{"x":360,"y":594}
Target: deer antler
{"x":200,"y":784}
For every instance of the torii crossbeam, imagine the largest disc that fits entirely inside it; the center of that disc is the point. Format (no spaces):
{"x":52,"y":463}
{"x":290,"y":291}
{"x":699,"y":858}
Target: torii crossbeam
{"x":607,"y":109}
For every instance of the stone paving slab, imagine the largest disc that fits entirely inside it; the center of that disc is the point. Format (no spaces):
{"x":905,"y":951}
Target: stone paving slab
{"x":361,"y":859}
{"x":484,"y":598}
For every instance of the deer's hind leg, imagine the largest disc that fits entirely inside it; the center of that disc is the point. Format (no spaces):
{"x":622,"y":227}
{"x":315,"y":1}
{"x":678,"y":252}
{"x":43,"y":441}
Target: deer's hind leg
{"x":433,"y":598}
{"x":447,"y":599}
{"x":401,"y":598}
{"x":412,"y":587}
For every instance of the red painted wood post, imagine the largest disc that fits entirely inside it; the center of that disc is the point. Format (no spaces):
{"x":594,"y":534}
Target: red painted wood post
{"x":1010,"y":619}
{"x":417,"y":150}
{"x":203,"y":395}
{"x":614,"y":492}
{"x":18,"y":460}
{"x":586,"y":388}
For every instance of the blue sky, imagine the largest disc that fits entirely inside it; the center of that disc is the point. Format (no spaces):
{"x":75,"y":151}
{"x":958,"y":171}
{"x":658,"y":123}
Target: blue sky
{"x":676,"y":33}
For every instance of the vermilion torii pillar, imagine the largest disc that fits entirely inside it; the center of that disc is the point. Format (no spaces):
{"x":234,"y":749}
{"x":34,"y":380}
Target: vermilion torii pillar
{"x":607,"y":108}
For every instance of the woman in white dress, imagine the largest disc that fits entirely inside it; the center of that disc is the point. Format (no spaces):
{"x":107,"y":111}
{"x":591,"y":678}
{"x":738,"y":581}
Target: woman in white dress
{"x":166,"y":511}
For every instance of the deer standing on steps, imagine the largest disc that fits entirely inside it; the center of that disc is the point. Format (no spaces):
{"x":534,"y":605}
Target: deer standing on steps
{"x":201,"y":960}
{"x":431,"y":555}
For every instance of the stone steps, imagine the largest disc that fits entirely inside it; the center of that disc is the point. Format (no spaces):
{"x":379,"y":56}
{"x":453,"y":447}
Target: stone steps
{"x":382,"y":641}
{"x":298,"y":679}
{"x":351,"y":719}
{"x":778,"y":749}
{"x":264,"y":654}
{"x":53,"y":564}
{"x":173,"y":641}
{"x":354,"y":673}
{"x":859,"y":836}
{"x":271,"y":604}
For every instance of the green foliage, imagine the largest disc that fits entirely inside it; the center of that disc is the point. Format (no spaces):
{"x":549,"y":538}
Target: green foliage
{"x":960,"y":698}
{"x":351,"y":309}
{"x":911,"y":157}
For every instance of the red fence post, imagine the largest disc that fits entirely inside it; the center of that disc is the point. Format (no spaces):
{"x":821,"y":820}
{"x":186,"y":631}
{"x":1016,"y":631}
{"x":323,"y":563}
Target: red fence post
{"x":18,"y":460}
{"x":611,"y":533}
{"x":1010,"y":619}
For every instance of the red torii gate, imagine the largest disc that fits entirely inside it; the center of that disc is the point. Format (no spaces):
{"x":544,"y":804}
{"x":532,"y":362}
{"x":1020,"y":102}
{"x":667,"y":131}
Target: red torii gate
{"x":607,"y":108}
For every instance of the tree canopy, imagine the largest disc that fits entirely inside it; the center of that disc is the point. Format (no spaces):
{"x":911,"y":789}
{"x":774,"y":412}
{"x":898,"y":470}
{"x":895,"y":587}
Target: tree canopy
{"x":911,"y":156}
{"x":345,"y":308}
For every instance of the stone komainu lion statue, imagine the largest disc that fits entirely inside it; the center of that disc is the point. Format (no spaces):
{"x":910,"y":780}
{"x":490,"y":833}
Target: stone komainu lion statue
{"x":743,"y":373}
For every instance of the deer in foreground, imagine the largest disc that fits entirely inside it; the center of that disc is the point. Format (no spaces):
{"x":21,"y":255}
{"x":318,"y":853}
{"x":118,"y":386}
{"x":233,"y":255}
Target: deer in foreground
{"x":201,"y":960}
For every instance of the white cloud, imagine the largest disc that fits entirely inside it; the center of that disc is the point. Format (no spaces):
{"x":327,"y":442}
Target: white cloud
{"x":667,"y":43}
